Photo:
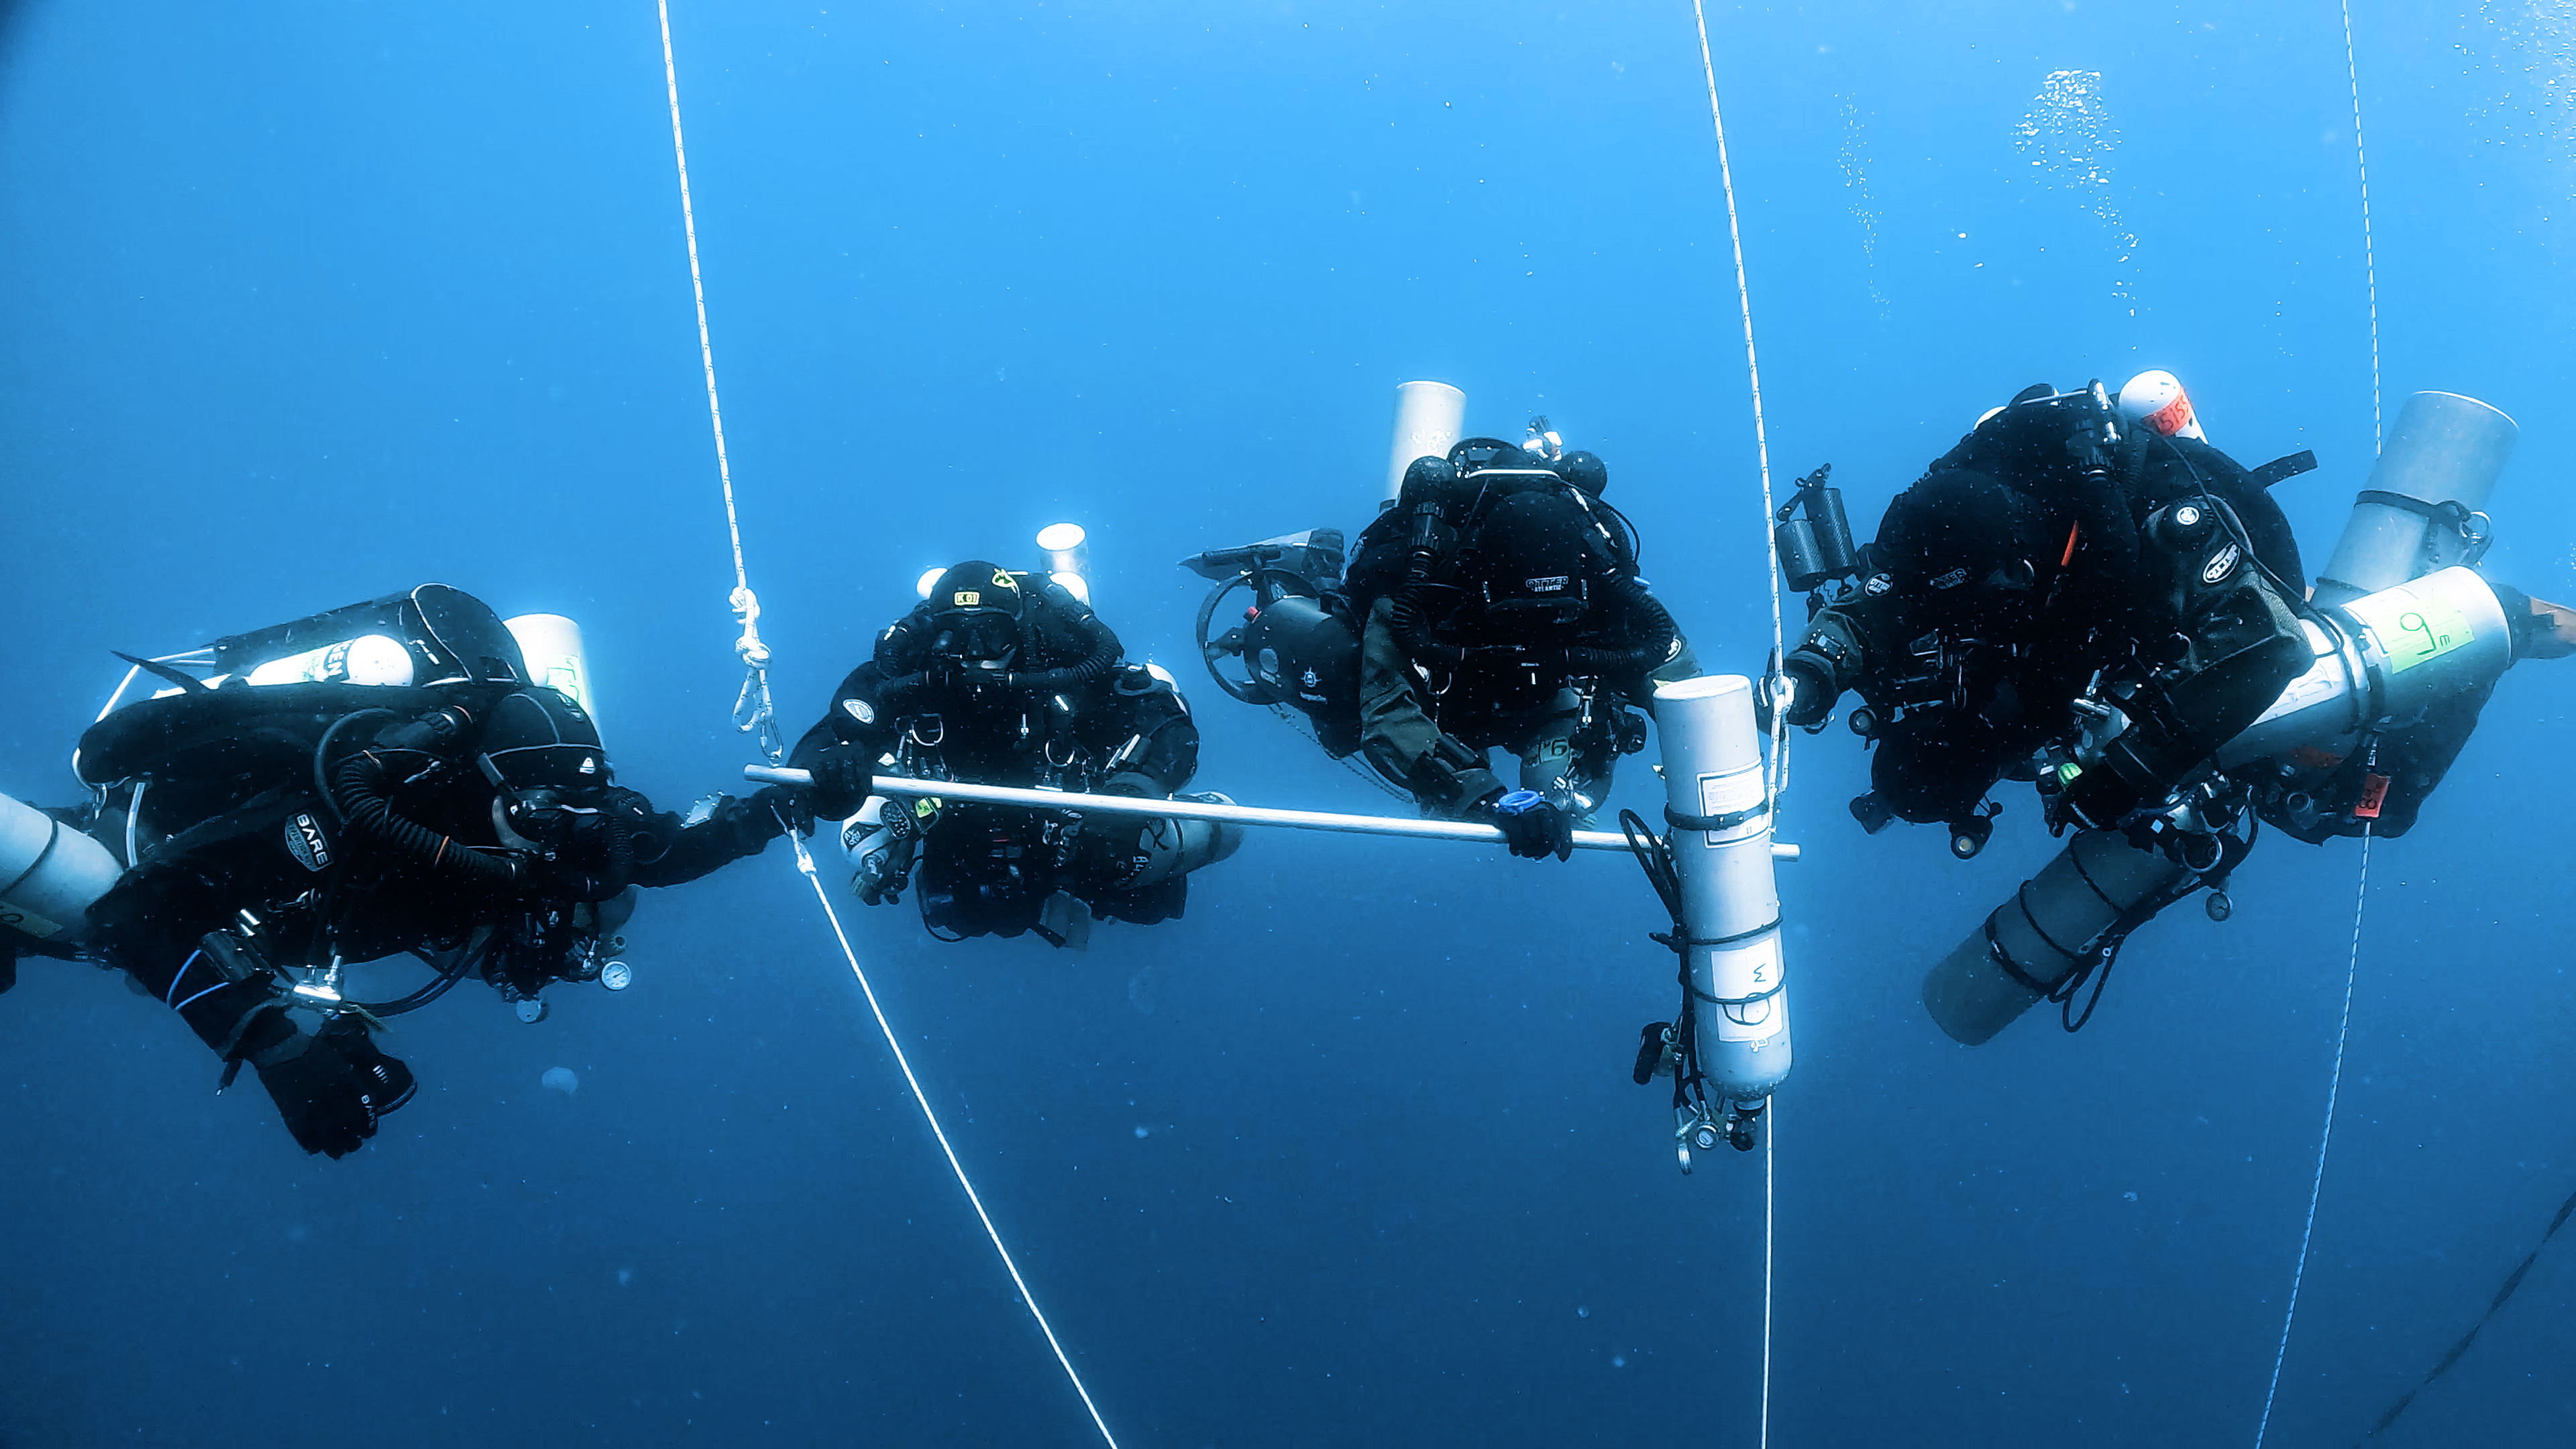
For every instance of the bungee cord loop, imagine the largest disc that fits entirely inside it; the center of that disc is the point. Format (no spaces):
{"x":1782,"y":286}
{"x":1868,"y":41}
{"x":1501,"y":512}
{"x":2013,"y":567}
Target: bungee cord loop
{"x":755,"y":713}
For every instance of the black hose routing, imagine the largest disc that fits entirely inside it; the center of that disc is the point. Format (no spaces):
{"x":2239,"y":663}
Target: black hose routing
{"x":359,"y":794}
{"x":1652,"y":631}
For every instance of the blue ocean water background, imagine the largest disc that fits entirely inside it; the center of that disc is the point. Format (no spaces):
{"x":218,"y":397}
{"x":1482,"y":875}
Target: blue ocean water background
{"x":311,"y":303}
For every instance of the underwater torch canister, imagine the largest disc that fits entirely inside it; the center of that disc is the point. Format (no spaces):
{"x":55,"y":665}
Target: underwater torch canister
{"x":1730,"y":900}
{"x":2033,"y":942}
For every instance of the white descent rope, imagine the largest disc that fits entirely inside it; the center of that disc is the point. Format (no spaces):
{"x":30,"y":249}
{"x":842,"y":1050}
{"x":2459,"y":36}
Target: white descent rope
{"x":2361,"y":896}
{"x":1753,"y":370}
{"x":1778,"y":769}
{"x":2369,"y":263}
{"x":2334,"y":1087}
{"x":1770,"y":1135}
{"x":805,"y":863}
{"x":753,"y":713}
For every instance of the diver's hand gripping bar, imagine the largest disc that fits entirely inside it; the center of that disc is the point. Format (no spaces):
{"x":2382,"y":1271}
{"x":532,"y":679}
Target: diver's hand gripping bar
{"x":1196,"y":810}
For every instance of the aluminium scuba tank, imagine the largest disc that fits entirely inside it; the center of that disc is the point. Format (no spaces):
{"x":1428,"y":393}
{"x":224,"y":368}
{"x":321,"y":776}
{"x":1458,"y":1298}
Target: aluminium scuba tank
{"x":49,"y":873}
{"x":2385,"y":657}
{"x":367,"y":659}
{"x":2032,"y":943}
{"x":1730,"y":897}
{"x":1430,"y":417}
{"x":1068,"y":557}
{"x":2440,"y":463}
{"x":556,"y":659}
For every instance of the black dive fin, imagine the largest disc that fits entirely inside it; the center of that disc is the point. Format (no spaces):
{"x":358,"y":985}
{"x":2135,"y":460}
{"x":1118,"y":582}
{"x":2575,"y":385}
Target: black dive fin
{"x":2282,"y":470}
{"x":180,"y":677}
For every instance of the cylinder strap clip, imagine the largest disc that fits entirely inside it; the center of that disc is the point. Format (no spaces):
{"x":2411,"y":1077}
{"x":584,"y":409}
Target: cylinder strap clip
{"x":1715,"y":823}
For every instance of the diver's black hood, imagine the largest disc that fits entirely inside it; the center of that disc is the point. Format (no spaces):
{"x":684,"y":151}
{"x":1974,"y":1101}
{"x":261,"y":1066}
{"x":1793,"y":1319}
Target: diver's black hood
{"x":540,"y":739}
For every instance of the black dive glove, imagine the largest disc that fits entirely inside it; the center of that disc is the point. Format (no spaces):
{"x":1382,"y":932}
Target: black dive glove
{"x":842,"y":782}
{"x":1534,"y":826}
{"x":332,"y":1087}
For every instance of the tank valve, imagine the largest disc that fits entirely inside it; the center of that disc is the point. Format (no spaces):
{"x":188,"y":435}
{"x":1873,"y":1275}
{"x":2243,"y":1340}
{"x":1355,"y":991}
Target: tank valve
{"x":1744,"y":1124}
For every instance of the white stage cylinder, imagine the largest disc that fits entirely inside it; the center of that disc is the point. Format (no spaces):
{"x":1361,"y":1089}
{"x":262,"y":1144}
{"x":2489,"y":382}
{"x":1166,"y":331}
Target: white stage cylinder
{"x":1430,"y":417}
{"x":2445,"y":449}
{"x":49,"y":873}
{"x":556,"y":659}
{"x":1730,"y":899}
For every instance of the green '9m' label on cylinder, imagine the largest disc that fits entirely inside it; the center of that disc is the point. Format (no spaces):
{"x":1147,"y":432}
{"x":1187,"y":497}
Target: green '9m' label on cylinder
{"x":2433,"y":628}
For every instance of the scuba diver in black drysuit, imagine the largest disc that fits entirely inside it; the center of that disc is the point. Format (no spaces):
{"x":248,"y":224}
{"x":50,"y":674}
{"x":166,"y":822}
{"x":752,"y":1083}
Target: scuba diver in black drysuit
{"x":2086,"y":595}
{"x":1006,"y":678}
{"x":1497,"y":602}
{"x":2054,"y":568}
{"x":277,"y":832}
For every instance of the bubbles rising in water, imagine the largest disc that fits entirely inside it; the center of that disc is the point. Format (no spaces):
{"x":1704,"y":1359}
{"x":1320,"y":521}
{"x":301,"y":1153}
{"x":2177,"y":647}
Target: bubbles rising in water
{"x":560,"y":1079}
{"x":2068,"y":137}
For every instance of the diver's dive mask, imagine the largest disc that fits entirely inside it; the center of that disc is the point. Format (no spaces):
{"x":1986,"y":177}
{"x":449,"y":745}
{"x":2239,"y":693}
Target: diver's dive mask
{"x":548,"y":822}
{"x":981,"y":640}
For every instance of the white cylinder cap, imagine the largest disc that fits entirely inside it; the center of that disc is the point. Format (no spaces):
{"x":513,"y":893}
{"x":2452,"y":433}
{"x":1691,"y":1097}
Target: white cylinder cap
{"x":2156,"y":398}
{"x":1060,"y":537}
{"x":378,"y":659}
{"x":929,"y":576}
